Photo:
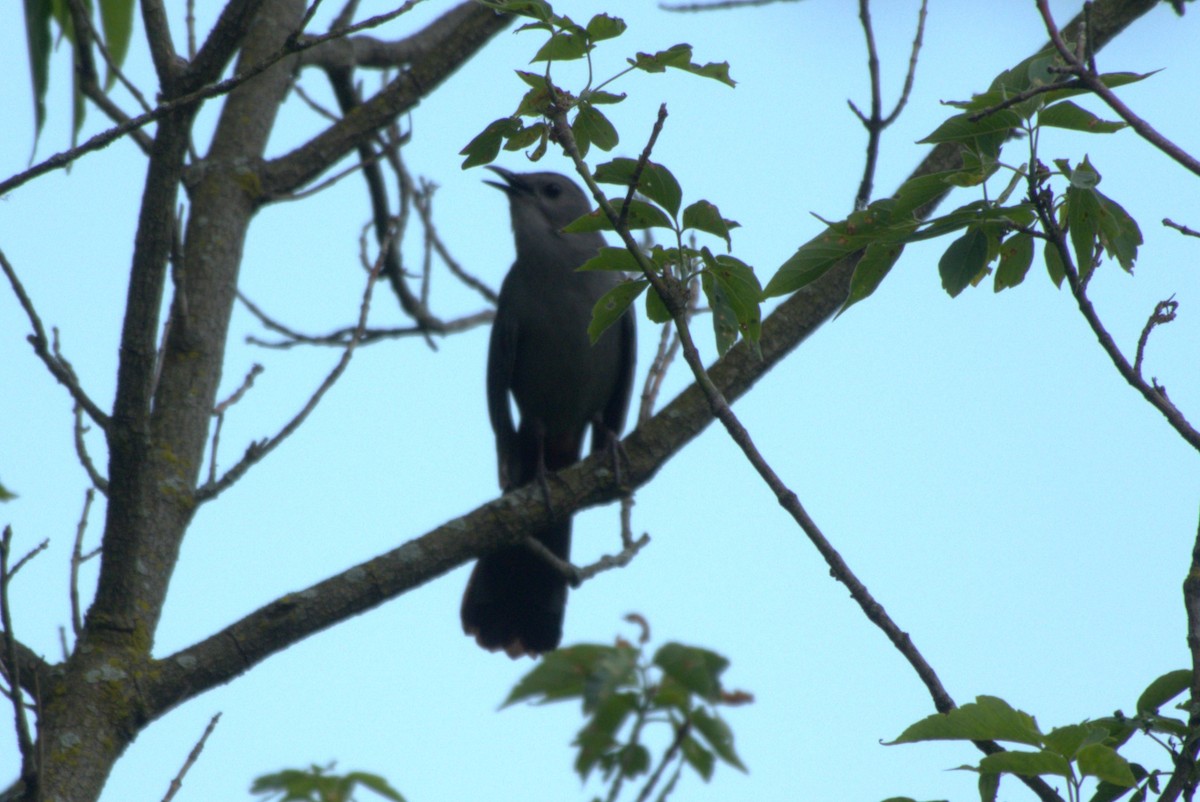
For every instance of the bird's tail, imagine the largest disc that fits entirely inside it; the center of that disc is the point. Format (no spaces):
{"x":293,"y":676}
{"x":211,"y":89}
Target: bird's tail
{"x":515,"y":600}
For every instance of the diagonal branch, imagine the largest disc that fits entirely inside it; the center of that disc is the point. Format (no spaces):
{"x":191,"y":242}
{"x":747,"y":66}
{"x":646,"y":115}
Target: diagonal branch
{"x":450,"y":41}
{"x":59,"y":368}
{"x":244,"y":73}
{"x":1087,"y":75}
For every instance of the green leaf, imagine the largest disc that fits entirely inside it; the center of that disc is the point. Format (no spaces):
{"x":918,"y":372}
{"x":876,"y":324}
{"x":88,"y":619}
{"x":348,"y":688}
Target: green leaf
{"x":1102,"y":762}
{"x":1067,"y":740}
{"x":1085,"y":175}
{"x":1119,"y":233}
{"x":656,"y":310}
{"x":870,"y":271}
{"x":725,"y":324}
{"x":1054,"y":264}
{"x":1067,"y":114}
{"x":697,"y":669}
{"x":1026,"y":764}
{"x":680,"y":57}
{"x":988,"y":718}
{"x":670,"y":693}
{"x":484,"y":148}
{"x":563,"y":46}
{"x":917,"y":193}
{"x":810,"y":262}
{"x":538,"y":9}
{"x":1110,"y":79}
{"x":116,"y":19}
{"x":1016,"y":255}
{"x":960,"y":128}
{"x":619,"y":259}
{"x":376,"y":784}
{"x":698,"y":757}
{"x":706,"y":217}
{"x":823,"y":251}
{"x":633,"y":759}
{"x":602,"y":26}
{"x":526,"y":137}
{"x":1083,"y":226}
{"x":735,"y":290}
{"x":963,"y":261}
{"x":655,"y":181}
{"x":1163,"y":690}
{"x":6,"y":494}
{"x":718,"y":735}
{"x":612,"y":671}
{"x":598,"y":736}
{"x":598,"y":97}
{"x":639,"y":215}
{"x":563,"y":673}
{"x":608,"y":310}
{"x":594,"y":127}
{"x":535,"y":80}
{"x":37,"y":43}
{"x":989,"y":786}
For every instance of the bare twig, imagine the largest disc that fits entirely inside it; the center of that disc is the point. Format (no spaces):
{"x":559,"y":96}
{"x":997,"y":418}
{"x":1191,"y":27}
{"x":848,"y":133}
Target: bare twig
{"x":190,"y":22}
{"x":24,"y":741}
{"x":681,"y":733}
{"x":219,"y":413}
{"x":87,"y":79}
{"x":876,"y":122}
{"x":1184,"y":778}
{"x":341,"y":80}
{"x":59,"y":368}
{"x":1182,"y":229}
{"x":642,"y":161}
{"x":85,"y":459}
{"x":424,"y":209}
{"x":339,"y":338}
{"x":1087,"y":74}
{"x":192,"y":757}
{"x":77,"y":559}
{"x":1151,"y":392}
{"x":719,"y":5}
{"x":35,"y":551}
{"x":104,"y":138}
{"x":1164,"y":312}
{"x":576,"y":575}
{"x":668,"y":349}
{"x":257,"y":450}
{"x":1021,"y":97}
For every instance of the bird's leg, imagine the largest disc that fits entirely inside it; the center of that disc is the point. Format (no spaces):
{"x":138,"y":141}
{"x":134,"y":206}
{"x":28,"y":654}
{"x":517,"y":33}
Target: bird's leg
{"x":604,"y":438}
{"x":540,"y":472}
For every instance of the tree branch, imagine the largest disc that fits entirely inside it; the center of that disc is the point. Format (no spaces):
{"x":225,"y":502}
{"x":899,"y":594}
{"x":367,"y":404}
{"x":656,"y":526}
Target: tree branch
{"x":452,"y":39}
{"x":1087,"y":74}
{"x":59,"y":368}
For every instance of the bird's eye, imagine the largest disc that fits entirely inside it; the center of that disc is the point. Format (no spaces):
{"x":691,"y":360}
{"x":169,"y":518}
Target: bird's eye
{"x":551,"y":191}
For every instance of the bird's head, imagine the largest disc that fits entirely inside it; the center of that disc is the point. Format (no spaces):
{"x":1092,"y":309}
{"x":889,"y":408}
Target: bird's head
{"x":541,"y":203}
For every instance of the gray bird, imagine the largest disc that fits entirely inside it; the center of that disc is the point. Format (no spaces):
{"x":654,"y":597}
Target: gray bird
{"x":541,"y":357}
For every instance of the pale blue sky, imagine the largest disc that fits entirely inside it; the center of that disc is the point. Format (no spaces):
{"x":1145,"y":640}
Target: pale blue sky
{"x":1018,"y":509}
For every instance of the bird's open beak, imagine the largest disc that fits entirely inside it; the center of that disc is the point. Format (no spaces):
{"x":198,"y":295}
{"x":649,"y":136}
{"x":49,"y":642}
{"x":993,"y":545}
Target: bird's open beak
{"x":512,"y":181}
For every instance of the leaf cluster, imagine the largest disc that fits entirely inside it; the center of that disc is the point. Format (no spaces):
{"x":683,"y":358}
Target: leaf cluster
{"x":116,"y":25}
{"x":318,"y":784}
{"x":622,"y":692}
{"x":729,"y":284}
{"x":1019,"y":103}
{"x":1073,"y":752}
{"x":570,"y":41}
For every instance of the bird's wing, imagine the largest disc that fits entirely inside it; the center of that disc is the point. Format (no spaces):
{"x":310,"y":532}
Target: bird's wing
{"x":502,"y":350}
{"x":618,"y":402}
